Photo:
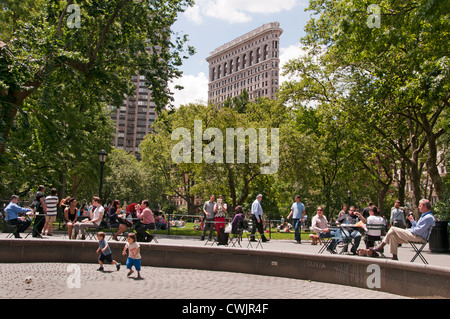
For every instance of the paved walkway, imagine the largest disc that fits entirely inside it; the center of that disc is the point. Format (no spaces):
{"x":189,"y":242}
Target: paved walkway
{"x":51,"y":280}
{"x":55,"y":281}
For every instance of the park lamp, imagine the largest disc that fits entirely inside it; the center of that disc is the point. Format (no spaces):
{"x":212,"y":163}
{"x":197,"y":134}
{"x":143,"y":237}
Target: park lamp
{"x":102,"y":155}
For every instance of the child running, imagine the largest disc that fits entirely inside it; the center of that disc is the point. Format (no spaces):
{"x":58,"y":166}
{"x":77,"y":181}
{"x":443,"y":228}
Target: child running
{"x":134,"y":255}
{"x":105,"y":252}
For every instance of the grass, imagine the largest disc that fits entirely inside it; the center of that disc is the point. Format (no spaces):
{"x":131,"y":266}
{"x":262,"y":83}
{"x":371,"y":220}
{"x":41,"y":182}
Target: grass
{"x":188,"y":230}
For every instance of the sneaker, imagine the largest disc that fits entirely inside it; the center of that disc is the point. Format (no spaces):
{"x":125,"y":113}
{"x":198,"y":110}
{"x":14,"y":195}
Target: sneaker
{"x":49,"y":234}
{"x":118,"y":266}
{"x":100,"y":269}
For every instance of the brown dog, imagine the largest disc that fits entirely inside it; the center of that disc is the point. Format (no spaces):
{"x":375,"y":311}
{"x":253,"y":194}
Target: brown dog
{"x":315,"y":239}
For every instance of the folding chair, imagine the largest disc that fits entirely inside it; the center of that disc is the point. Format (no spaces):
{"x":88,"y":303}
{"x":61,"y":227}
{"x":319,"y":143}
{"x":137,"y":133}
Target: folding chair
{"x":152,"y":233}
{"x":418,"y":250}
{"x":91,"y":232}
{"x":257,"y":236}
{"x":12,"y":229}
{"x":326,"y":243}
{"x":213,"y":241}
{"x":376,"y":239}
{"x":236,"y":237}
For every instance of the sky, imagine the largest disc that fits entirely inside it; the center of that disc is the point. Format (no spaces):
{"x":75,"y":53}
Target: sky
{"x":212,"y":23}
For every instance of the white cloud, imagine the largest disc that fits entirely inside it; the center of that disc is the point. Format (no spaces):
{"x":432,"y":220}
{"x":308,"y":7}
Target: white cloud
{"x":195,"y":89}
{"x":236,"y":11}
{"x":287,"y":54}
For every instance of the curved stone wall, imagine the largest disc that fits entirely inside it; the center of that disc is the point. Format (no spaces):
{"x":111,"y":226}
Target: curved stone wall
{"x":407,"y":279}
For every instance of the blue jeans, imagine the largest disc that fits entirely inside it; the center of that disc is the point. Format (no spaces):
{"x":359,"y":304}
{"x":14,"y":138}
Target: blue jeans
{"x":297,"y":227}
{"x":336,"y":235}
{"x":348,"y":235}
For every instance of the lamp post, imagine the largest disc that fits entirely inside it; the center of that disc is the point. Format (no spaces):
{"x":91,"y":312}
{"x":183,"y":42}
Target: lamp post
{"x":349,"y":195}
{"x":102,"y":155}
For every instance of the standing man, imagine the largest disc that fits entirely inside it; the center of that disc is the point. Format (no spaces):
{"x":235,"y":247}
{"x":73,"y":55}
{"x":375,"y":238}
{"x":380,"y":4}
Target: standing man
{"x":12,"y":216}
{"x":52,"y":209}
{"x":397,"y":216}
{"x":208,"y":209}
{"x":257,"y":220}
{"x":41,"y":210}
{"x":297,"y":213}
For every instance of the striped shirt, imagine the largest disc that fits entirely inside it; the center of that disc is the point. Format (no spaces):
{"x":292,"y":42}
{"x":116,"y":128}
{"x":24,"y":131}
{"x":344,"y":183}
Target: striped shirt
{"x":52,"y":205}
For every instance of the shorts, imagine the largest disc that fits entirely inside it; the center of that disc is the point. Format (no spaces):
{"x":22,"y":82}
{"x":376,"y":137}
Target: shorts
{"x":108,"y":258}
{"x":50,"y":219}
{"x":134,"y":262}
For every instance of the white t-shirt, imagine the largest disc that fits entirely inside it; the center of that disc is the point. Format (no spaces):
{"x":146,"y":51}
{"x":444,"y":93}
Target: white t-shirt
{"x":374,"y":220}
{"x":133,"y":250}
{"x":99,"y":210}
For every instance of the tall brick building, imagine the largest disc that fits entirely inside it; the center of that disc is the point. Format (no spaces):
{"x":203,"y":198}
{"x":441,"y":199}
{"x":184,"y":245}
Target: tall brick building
{"x":249,"y":62}
{"x":134,"y":118}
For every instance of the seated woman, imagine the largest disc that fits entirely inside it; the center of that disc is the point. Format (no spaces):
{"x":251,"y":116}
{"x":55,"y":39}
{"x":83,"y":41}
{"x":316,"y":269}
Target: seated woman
{"x":236,"y":223}
{"x":116,"y":220}
{"x":160,"y":222}
{"x":70,"y":215}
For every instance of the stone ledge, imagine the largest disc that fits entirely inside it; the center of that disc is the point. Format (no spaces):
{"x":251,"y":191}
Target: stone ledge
{"x":406,"y":279}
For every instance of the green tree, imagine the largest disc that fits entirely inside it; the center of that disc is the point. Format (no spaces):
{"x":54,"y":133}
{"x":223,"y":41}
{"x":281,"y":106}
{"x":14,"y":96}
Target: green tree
{"x":397,"y":72}
{"x":115,"y":40}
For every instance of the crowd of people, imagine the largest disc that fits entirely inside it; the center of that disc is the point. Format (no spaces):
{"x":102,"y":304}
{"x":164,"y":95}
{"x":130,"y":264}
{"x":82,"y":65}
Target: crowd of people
{"x":402,"y":227}
{"x":401,"y":230}
{"x":77,"y":219}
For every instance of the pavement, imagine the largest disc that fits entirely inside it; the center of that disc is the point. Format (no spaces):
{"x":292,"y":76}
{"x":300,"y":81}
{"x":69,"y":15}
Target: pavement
{"x":83,"y":281}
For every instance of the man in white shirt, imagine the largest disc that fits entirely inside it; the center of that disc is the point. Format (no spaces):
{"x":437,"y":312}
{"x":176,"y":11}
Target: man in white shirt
{"x":257,"y":220}
{"x":96,"y":216}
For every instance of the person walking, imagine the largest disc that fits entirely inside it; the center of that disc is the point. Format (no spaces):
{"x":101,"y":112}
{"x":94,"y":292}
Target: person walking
{"x":257,"y":220}
{"x":397,"y":216}
{"x":297,"y":213}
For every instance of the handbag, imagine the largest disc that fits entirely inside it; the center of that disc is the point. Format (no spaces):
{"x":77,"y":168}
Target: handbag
{"x":228,"y":228}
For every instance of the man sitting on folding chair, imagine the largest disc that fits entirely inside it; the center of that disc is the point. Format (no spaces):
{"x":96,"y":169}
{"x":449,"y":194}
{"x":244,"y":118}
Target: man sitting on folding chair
{"x":19,"y":224}
{"x":418,"y":233}
{"x":96,"y":216}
